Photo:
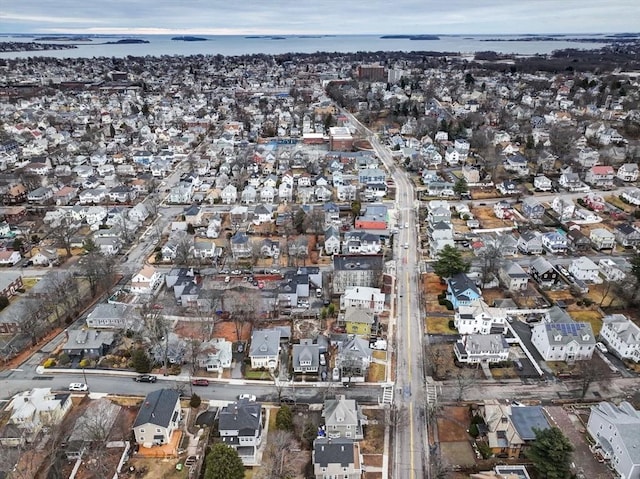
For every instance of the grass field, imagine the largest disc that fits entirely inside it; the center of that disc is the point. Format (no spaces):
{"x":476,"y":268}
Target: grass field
{"x":438,"y":325}
{"x":596,"y":293}
{"x":618,"y":203}
{"x":588,"y":316}
{"x":376,"y":373}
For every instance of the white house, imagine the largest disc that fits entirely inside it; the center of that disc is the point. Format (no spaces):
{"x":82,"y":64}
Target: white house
{"x":265,"y":348}
{"x":513,"y":276}
{"x":615,"y":432}
{"x":363,"y":297}
{"x":240,"y":425}
{"x":584,"y":269}
{"x":632,"y":196}
{"x":215,"y":355}
{"x":146,"y":280}
{"x":481,"y":348}
{"x":564,"y":341}
{"x":611,"y":270}
{"x":622,"y":336}
{"x":542,"y":183}
{"x":602,"y":239}
{"x":628,"y":172}
{"x":159,"y":416}
{"x":479,"y":318}
{"x":229,"y":194}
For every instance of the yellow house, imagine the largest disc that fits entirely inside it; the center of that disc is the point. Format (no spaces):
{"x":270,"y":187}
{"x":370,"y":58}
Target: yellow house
{"x":358,"y":321}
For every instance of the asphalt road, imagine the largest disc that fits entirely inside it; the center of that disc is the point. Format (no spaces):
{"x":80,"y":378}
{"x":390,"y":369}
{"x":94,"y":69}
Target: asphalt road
{"x":411,"y":451}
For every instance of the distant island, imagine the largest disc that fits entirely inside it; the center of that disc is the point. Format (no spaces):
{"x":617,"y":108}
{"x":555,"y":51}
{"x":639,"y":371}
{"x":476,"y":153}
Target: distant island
{"x":32,"y":47}
{"x":187,"y":38}
{"x":63,"y":39}
{"x":410,"y":37}
{"x":127,"y":41}
{"x":265,"y":37}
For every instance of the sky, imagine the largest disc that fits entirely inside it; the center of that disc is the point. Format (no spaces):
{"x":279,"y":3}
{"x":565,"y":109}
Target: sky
{"x":246,"y":17}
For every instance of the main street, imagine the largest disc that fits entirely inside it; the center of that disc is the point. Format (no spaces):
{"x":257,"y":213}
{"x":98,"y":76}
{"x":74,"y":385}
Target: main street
{"x":411,"y":447}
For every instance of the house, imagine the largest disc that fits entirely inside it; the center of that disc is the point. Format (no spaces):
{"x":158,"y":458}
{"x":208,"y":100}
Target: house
{"x":439,"y":211}
{"x":108,"y":245}
{"x":578,"y":241}
{"x":113,"y":316}
{"x":363,"y":297}
{"x":461,"y":290}
{"x":622,"y":336}
{"x":333,"y":458}
{"x":571,"y":182}
{"x":361,"y":242}
{"x":229,"y":194}
{"x":631,"y":196}
{"x":508,"y":187}
{"x":265,"y":348}
{"x":240,"y":426}
{"x":215,"y":355}
{"x":479,"y":318}
{"x":359,"y":321}
{"x":513,"y":276}
{"x":353,"y":359}
{"x":88,"y":343}
{"x":563,"y":207}
{"x":9,"y":258}
{"x":249,"y":195}
{"x":241,"y":246}
{"x":510,"y":428}
{"x":564,"y":341}
{"x":158,"y":418}
{"x":611,"y":270}
{"x":31,"y":411}
{"x":262,"y":214}
{"x":356,"y":270}
{"x":516,"y":164}
{"x":627,"y":235}
{"x":554,"y":242}
{"x":10,"y":283}
{"x":600,"y":176}
{"x":542,"y":183}
{"x":481,"y":348}
{"x":331,"y":241}
{"x":45,"y":257}
{"x":628,"y":172}
{"x":146,"y":280}
{"x":530,"y":242}
{"x":532,"y":208}
{"x":602,"y":239}
{"x":40,"y":195}
{"x":615,"y":432}
{"x":305,"y":357}
{"x":343,"y":418}
{"x":584,"y":269}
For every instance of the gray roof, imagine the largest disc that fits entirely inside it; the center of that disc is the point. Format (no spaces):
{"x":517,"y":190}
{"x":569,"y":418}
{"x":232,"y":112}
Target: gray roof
{"x":564,"y":333}
{"x":527,"y":418}
{"x":265,"y":342}
{"x":460,"y":284}
{"x":8,"y":277}
{"x":89,"y":339}
{"x":306,"y":351}
{"x":158,"y":408}
{"x":340,"y":411}
{"x":541,"y":265}
{"x":333,"y":451}
{"x":242,"y":416}
{"x":370,"y":262}
{"x":514,"y":270}
{"x":626,"y":420}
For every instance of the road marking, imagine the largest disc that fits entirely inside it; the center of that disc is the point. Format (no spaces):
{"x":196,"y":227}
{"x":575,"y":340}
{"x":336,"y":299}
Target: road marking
{"x":409,"y":359}
{"x":412,"y":475}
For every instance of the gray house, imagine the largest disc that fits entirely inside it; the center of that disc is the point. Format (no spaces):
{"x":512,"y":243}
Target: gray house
{"x":343,"y":418}
{"x":306,"y":357}
{"x":88,"y":343}
{"x":265,"y":348}
{"x":336,"y":458}
{"x":158,"y":418}
{"x":240,"y":426}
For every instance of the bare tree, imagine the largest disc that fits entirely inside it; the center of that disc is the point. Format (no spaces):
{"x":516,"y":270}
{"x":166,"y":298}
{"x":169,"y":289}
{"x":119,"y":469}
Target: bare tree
{"x":274,"y":460}
{"x":99,"y":269}
{"x":464,"y":381}
{"x":184,"y":251}
{"x":64,"y":234}
{"x":314,"y":222}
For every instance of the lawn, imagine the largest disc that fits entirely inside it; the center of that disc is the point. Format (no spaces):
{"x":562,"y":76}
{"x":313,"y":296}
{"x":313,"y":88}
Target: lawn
{"x":588,"y":316}
{"x":560,"y":295}
{"x":504,"y":373}
{"x":29,"y":283}
{"x":256,"y":374}
{"x":596,"y":293}
{"x":376,"y":373}
{"x":382,"y":355}
{"x":617,"y":202}
{"x":438,"y":325}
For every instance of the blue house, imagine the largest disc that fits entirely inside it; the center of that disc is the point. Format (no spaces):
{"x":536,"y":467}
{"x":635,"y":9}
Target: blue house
{"x":532,"y":208}
{"x":461,"y":290}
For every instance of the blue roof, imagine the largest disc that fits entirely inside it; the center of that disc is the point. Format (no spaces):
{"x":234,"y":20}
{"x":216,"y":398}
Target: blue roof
{"x":527,"y":418}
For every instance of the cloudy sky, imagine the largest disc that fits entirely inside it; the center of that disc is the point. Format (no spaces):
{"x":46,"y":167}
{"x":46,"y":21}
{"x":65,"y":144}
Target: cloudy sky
{"x":319,"y":16}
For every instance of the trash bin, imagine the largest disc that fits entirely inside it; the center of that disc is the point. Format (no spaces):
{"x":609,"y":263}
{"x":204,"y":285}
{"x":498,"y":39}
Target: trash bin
{"x":179,"y":466}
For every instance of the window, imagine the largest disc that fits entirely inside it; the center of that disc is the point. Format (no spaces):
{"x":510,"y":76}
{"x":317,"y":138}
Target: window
{"x":142,"y":431}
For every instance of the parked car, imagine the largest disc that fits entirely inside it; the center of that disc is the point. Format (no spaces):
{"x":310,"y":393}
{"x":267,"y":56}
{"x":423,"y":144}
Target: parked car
{"x":602,"y":347}
{"x":287,"y":400}
{"x":248,"y":397}
{"x":145,"y":378}
{"x":200,"y":382}
{"x":323,"y":360}
{"x":78,"y":387}
{"x":335,"y":374}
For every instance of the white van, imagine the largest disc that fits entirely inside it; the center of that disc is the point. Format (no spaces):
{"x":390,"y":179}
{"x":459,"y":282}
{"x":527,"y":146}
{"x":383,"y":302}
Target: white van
{"x":335,"y":375}
{"x":78,"y":387}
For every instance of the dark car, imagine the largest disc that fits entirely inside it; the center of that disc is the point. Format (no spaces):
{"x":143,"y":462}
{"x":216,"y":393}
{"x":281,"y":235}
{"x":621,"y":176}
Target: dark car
{"x":145,"y":378}
{"x":200,"y":382}
{"x":287,"y":400}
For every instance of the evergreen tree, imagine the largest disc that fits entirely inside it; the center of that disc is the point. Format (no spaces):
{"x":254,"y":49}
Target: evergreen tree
{"x":223,"y":462}
{"x":551,"y":454}
{"x":450,"y":262}
{"x":140,"y":361}
{"x":284,"y":419}
{"x":460,"y":187}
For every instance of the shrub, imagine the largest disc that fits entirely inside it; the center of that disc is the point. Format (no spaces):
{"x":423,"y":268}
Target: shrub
{"x":49,"y":363}
{"x":85,"y":363}
{"x":484,"y":449}
{"x":284,"y":419}
{"x":473,"y":430}
{"x":64,"y":359}
{"x":195,"y":401}
{"x":446,"y":303}
{"x":451,"y":324}
{"x":4,"y":302}
{"x":140,"y":361}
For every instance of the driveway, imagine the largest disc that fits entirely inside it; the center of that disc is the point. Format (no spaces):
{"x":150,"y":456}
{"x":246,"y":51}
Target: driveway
{"x":583,"y":459}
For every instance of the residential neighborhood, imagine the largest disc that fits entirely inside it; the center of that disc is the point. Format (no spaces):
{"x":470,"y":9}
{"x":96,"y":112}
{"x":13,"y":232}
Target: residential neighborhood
{"x":313,"y":260}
